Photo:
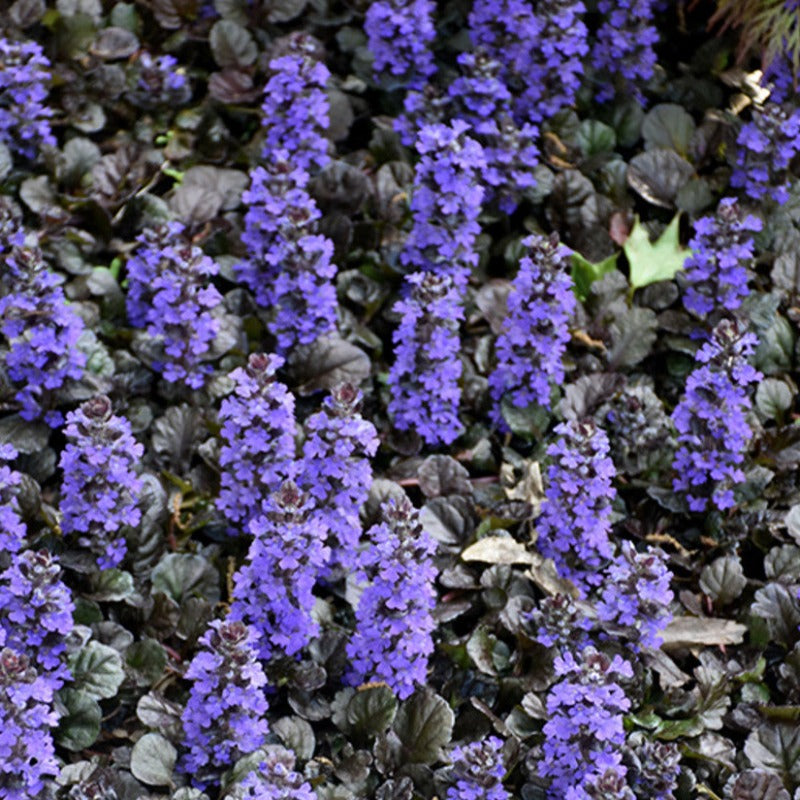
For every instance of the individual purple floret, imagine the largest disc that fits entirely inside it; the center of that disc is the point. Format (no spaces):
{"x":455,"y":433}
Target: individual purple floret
{"x":711,"y":419}
{"x":575,"y":519}
{"x":584,"y":733}
{"x":12,"y":528}
{"x":41,"y":330}
{"x":535,"y":334}
{"x":100,"y":491}
{"x":295,"y":107}
{"x":224,"y":718}
{"x":36,"y":613}
{"x":446,"y":202}
{"x":257,"y":429}
{"x":27,"y":755}
{"x":653,"y":768}
{"x":273,"y":589}
{"x":24,"y":117}
{"x":394,"y":617}
{"x":767,"y":145}
{"x":423,"y":380}
{"x":478,"y":771}
{"x":636,"y":596}
{"x":400,"y":34}
{"x":336,"y":469}
{"x":559,"y":622}
{"x":159,"y":82}
{"x":722,"y":250}
{"x":623,"y":55}
{"x":170,"y":293}
{"x":275,"y":779}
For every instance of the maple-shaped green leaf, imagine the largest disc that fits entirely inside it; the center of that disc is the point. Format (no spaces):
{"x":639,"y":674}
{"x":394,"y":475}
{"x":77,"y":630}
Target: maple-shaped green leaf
{"x":585,"y":273}
{"x":650,"y":262}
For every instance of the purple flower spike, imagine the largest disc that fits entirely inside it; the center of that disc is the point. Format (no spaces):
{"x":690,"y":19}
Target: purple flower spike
{"x":424,"y":377}
{"x":224,"y":716}
{"x":12,"y":528}
{"x":394,"y":617}
{"x":100,"y":491}
{"x":478,"y":771}
{"x":275,"y":779}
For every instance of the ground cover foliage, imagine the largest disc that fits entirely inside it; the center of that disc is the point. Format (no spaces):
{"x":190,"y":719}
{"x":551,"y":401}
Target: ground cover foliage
{"x":398,"y":400}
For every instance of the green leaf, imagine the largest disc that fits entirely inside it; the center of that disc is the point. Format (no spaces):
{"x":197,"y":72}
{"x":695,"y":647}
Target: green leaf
{"x":371,"y":711}
{"x":773,"y":397}
{"x":184,"y":575}
{"x":153,"y":760}
{"x":146,"y":661}
{"x":97,"y":670}
{"x":650,"y":262}
{"x":79,"y":726}
{"x":111,"y":585}
{"x":585,"y":273}
{"x":424,"y":725}
{"x":670,"y":126}
{"x":595,"y":137}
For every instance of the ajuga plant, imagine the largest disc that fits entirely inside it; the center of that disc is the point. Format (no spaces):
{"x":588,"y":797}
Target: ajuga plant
{"x":27,"y":754}
{"x":575,"y":520}
{"x":257,"y":429}
{"x":716,"y":272}
{"x":531,"y":346}
{"x":156,"y":81}
{"x":623,"y":56}
{"x":711,"y":419}
{"x":36,"y":613}
{"x":273,"y":589}
{"x":478,"y":771}
{"x":393,"y":640}
{"x":12,"y":527}
{"x":274,"y":778}
{"x":446,"y":202}
{"x":40,"y":329}
{"x":400,"y":35}
{"x":766,"y":146}
{"x":653,"y":767}
{"x":100,"y":490}
{"x":584,"y":732}
{"x":559,"y":622}
{"x":423,"y":381}
{"x":24,"y":117}
{"x":171,"y":295}
{"x":224,"y":715}
{"x":336,"y":470}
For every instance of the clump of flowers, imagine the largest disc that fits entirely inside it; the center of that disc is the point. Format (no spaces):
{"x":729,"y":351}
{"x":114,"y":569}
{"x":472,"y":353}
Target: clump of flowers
{"x":159,"y":81}
{"x":394,"y":617}
{"x":535,"y":334}
{"x":336,"y":471}
{"x":722,"y":251}
{"x":446,"y":201}
{"x":767,"y":145}
{"x":623,"y":52}
{"x":273,"y":591}
{"x":171,"y":295}
{"x":653,"y":768}
{"x":478,"y":771}
{"x":636,"y":595}
{"x":424,"y":377}
{"x":224,"y":716}
{"x":257,"y":430}
{"x":100,"y":491}
{"x":24,"y":117}
{"x":584,"y":732}
{"x":36,"y":613}
{"x":27,"y":754}
{"x":12,"y":528}
{"x":41,"y":330}
{"x":400,"y":34}
{"x":558,"y":621}
{"x":274,"y":779}
{"x":575,"y":519}
{"x":711,"y":419}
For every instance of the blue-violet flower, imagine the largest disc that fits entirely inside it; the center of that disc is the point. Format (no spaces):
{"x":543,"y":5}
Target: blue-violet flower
{"x":478,"y":771}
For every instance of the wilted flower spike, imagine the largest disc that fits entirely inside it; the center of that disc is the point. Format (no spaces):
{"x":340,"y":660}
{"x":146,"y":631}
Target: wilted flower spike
{"x":12,"y":528}
{"x":27,"y":754}
{"x":535,"y":334}
{"x":24,"y":118}
{"x":711,"y":419}
{"x":258,"y":430}
{"x":722,"y":251}
{"x":41,"y":330}
{"x":399,"y":36}
{"x":423,"y":380}
{"x":224,"y":716}
{"x":575,"y":523}
{"x":273,"y":590}
{"x":478,"y":771}
{"x":36,"y":613}
{"x":394,"y":620}
{"x":171,"y":295}
{"x":336,"y":470}
{"x":100,"y":491}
